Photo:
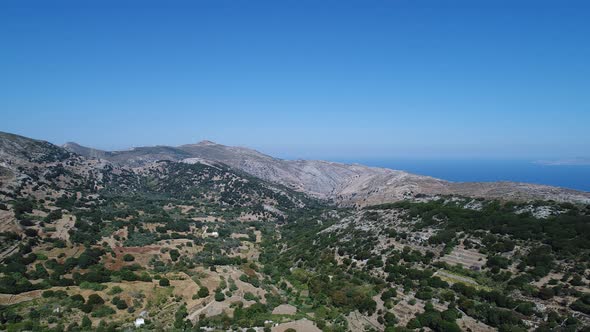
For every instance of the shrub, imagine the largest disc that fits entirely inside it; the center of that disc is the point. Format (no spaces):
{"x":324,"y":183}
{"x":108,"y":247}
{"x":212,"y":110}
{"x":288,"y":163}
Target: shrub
{"x":77,"y":299}
{"x":128,"y":258}
{"x":164,"y":282}
{"x":95,"y":299}
{"x":203,"y":292}
{"x":582,"y":304}
{"x":21,"y":207}
{"x":121,"y":305}
{"x":48,"y":293}
{"x":52,"y":216}
{"x":174,"y":254}
{"x":115,"y":290}
{"x":250,"y":297}
{"x":498,"y":261}
{"x":86,"y":323}
{"x":103,"y":311}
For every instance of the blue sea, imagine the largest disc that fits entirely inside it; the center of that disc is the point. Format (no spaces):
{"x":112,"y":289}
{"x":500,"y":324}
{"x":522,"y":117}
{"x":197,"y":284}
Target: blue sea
{"x":567,"y":176}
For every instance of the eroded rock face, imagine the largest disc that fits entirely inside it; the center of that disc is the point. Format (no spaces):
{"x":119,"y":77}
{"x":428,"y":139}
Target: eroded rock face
{"x":345,"y":184}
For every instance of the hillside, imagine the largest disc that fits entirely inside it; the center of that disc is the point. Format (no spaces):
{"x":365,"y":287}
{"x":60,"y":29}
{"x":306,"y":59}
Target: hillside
{"x":89,"y":243}
{"x":39,"y":177}
{"x":346,"y":184}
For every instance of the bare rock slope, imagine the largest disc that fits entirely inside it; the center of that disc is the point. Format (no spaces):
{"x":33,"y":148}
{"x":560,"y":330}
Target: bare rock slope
{"x":346,"y":184}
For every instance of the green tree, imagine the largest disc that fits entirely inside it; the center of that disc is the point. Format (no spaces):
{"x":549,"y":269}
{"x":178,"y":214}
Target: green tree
{"x":128,"y":258}
{"x":203,"y":292}
{"x":219,"y":296}
{"x":179,"y":318}
{"x":95,"y":299}
{"x":86,"y":323}
{"x":174,"y":254}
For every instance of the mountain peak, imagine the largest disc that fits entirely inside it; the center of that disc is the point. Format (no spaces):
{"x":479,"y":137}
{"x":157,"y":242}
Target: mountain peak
{"x":84,"y":151}
{"x":71,"y":144}
{"x":206,"y":142}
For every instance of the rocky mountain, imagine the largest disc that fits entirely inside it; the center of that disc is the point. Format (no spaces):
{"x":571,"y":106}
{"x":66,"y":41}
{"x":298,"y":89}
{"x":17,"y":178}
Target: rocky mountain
{"x":15,"y":148}
{"x":346,"y":184}
{"x":135,"y":157}
{"x":34,"y":169}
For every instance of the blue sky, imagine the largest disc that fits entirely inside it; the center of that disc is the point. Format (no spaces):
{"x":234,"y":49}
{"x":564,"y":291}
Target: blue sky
{"x":308,"y":79}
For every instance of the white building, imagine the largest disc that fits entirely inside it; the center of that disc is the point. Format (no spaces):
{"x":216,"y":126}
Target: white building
{"x":139,"y":322}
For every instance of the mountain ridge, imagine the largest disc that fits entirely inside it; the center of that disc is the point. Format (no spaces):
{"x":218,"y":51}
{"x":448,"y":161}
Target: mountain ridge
{"x":39,"y":169}
{"x":345,"y":184}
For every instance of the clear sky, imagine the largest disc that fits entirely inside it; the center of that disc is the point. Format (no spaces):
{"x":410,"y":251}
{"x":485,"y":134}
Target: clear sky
{"x":310,"y":79}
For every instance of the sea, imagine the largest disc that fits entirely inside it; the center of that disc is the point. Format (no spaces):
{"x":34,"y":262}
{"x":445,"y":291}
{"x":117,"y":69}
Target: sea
{"x":566,"y":176}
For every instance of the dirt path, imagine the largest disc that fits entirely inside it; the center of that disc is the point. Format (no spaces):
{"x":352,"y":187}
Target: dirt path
{"x":357,"y":322}
{"x":8,"y":252}
{"x":7,"y":299}
{"x":302,"y":325}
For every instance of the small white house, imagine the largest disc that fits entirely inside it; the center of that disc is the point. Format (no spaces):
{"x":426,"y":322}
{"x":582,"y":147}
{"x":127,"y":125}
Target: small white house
{"x":212,"y":234}
{"x":139,"y":322}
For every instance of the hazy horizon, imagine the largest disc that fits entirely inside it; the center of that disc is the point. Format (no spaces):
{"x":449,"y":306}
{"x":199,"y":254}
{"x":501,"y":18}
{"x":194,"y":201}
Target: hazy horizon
{"x":287,"y":152}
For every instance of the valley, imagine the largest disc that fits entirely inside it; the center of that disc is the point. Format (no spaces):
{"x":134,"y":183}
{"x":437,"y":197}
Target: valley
{"x":212,"y":238}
